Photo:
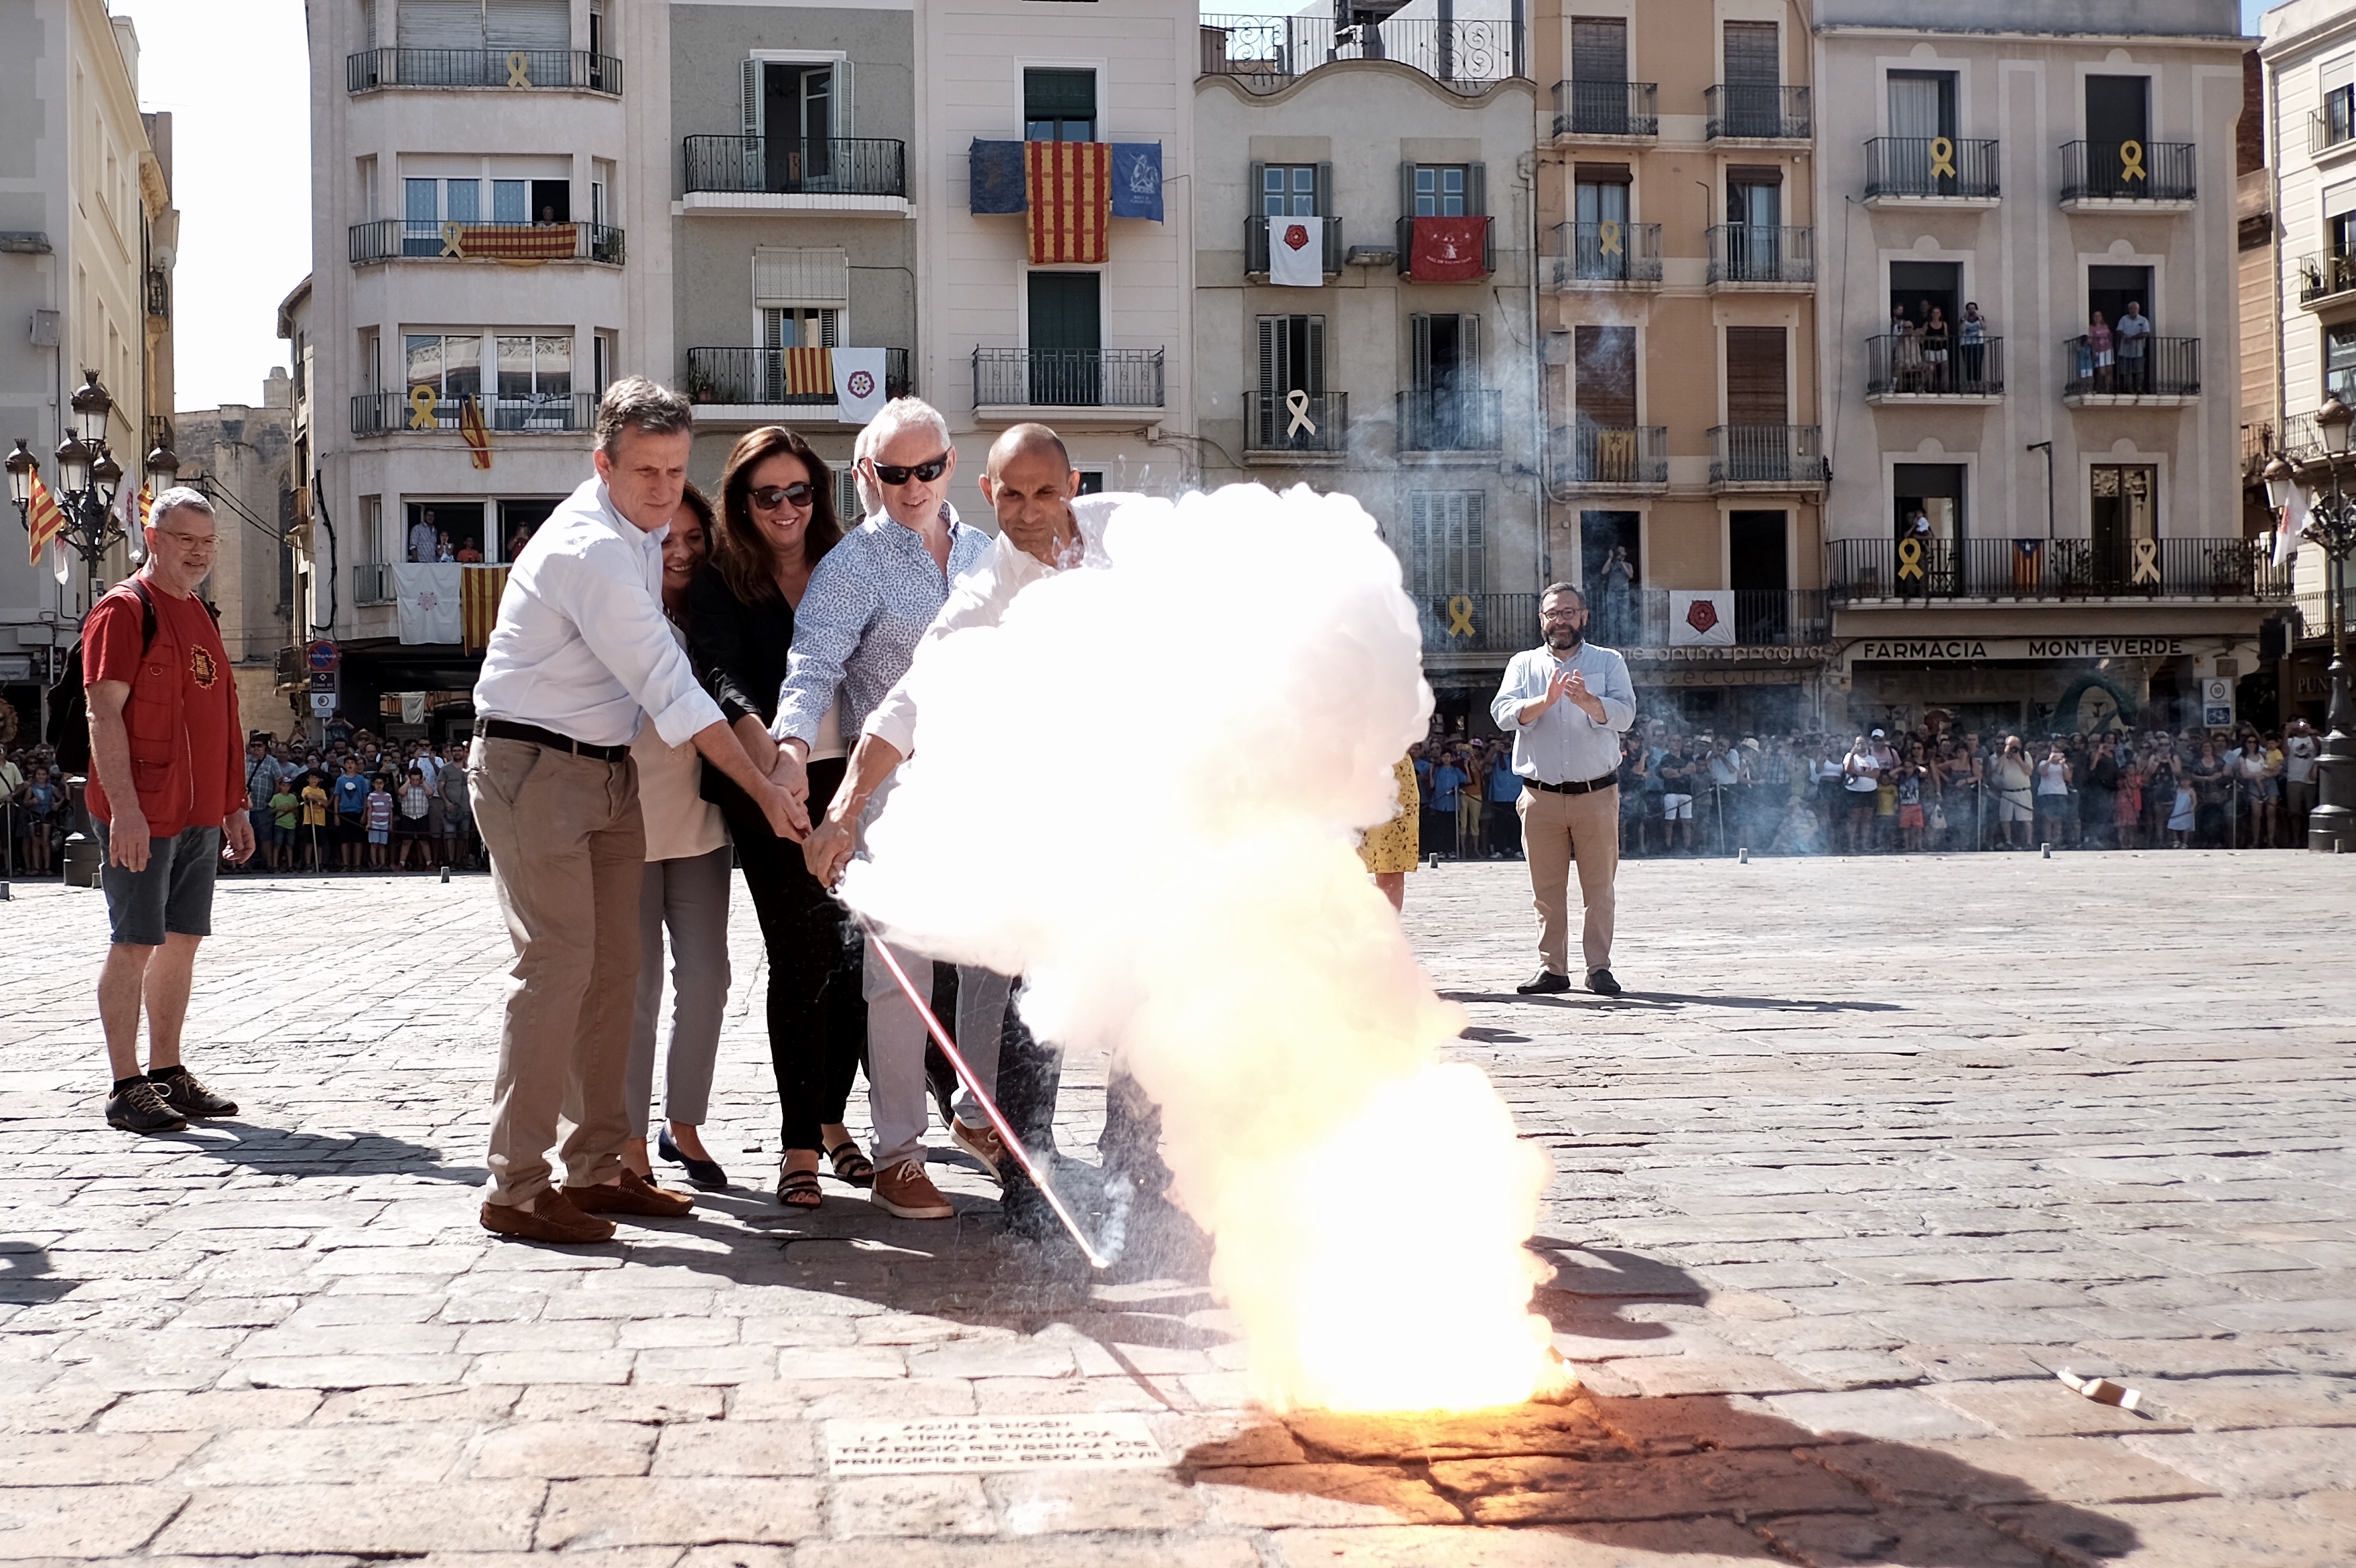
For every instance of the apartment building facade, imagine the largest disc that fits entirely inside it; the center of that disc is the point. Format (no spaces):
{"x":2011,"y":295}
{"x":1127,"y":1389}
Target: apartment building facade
{"x":1362,"y":304}
{"x":2031,"y":346}
{"x":88,"y":235}
{"x":1685,"y":469}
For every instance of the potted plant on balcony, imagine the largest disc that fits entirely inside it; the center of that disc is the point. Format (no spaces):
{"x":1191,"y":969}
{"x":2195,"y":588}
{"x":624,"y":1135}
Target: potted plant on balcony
{"x":698,"y":387}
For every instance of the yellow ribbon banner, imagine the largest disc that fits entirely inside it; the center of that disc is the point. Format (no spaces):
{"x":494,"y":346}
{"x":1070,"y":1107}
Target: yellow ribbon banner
{"x":2130,"y":160}
{"x":1296,"y":406}
{"x":1609,"y":233}
{"x":519,"y":71}
{"x":453,"y":236}
{"x":422,"y":399}
{"x":1943,"y":158}
{"x":1910,"y":558}
{"x":2146,"y":563}
{"x":1460,"y":616}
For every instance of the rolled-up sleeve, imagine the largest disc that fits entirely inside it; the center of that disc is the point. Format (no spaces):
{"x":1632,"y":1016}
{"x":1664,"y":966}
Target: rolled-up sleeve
{"x":1516,"y":693}
{"x":1618,"y":696}
{"x":828,"y":626}
{"x":601,"y":591}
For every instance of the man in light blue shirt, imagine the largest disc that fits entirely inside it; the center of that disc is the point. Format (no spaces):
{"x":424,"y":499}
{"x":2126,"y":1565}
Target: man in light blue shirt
{"x":1566,"y":705}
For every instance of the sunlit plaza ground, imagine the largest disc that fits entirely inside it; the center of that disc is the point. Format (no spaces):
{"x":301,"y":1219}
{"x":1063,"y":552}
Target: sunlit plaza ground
{"x":1867,"y":1151}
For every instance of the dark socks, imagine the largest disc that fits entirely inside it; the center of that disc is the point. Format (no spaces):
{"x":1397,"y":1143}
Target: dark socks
{"x":122,"y":1084}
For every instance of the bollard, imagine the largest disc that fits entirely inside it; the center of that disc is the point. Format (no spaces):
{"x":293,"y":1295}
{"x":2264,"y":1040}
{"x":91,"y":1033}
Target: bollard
{"x":1742,"y":856}
{"x":2048,"y":851}
{"x":445,"y":877}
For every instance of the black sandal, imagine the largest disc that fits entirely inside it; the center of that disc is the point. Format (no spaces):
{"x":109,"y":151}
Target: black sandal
{"x":851,"y":1166}
{"x":798,"y":1189}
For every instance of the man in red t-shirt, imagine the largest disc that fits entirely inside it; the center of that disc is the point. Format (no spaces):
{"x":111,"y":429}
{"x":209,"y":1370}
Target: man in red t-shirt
{"x":166,"y":785}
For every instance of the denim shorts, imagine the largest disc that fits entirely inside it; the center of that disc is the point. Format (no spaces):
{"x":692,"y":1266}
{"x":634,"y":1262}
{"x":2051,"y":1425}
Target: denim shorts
{"x":174,"y":894}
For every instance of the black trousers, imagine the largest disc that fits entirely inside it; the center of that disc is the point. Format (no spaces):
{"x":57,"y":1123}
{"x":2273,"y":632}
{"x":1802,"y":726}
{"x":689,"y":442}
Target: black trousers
{"x":1505,"y":828}
{"x":816,"y":1009}
{"x":1030,"y":1075}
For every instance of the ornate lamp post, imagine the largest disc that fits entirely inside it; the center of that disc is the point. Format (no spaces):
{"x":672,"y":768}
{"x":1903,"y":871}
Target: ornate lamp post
{"x":88,"y":479}
{"x":2331,"y":523}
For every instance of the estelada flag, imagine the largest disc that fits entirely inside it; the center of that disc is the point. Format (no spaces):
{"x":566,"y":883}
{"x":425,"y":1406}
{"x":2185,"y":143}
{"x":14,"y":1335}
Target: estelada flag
{"x":810,"y":373}
{"x":2027,"y":562}
{"x":1447,"y":250}
{"x":1069,"y":188}
{"x":478,"y":434}
{"x":479,"y":588}
{"x":42,"y":519}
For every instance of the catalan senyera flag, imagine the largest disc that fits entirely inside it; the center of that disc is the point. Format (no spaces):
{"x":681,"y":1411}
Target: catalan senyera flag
{"x":43,"y":519}
{"x":476,"y":433}
{"x":1069,"y":188}
{"x":479,"y":588}
{"x":810,"y":373}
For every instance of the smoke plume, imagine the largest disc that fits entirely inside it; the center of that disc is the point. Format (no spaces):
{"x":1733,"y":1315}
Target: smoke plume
{"x":1142,"y":791}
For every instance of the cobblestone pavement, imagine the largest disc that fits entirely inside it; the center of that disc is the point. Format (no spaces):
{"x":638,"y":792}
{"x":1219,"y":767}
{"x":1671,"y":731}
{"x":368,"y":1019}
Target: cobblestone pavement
{"x":1866,"y":1150}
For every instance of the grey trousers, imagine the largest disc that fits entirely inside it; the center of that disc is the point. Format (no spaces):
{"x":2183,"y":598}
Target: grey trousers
{"x":982,"y":995}
{"x":691,"y":897}
{"x":895,"y":1058}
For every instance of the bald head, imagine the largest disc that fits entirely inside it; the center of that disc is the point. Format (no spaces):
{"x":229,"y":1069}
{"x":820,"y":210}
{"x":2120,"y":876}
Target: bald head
{"x":1022,"y":441}
{"x":1029,"y":483}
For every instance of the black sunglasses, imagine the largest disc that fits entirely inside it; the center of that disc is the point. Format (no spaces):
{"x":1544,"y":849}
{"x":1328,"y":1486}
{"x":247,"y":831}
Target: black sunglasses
{"x":768,"y":497}
{"x":893,"y":474}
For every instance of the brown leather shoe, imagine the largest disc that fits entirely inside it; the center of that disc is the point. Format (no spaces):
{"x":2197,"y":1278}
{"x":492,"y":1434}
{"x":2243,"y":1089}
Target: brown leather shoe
{"x":907,"y":1191}
{"x":551,"y":1219}
{"x":632,"y":1194}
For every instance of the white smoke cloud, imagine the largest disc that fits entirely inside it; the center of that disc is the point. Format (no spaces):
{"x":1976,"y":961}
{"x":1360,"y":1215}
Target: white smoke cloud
{"x":1142,"y":793}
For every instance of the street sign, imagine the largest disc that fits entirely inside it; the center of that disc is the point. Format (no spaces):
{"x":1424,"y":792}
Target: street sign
{"x":323,"y":654}
{"x":323,"y":703}
{"x":2217,"y":702}
{"x":322,"y":680}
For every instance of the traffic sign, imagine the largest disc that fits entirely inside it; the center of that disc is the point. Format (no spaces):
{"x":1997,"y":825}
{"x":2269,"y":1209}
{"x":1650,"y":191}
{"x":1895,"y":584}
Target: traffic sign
{"x":322,"y":680}
{"x":324,"y":654}
{"x":322,"y":702}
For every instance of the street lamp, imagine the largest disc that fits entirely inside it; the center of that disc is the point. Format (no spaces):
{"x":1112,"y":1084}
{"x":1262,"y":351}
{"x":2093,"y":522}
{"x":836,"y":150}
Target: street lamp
{"x":2331,"y":523}
{"x":88,"y":477}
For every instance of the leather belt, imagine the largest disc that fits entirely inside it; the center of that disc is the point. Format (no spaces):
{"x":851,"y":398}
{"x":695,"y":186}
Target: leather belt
{"x":508,"y":729}
{"x":1577,"y":786}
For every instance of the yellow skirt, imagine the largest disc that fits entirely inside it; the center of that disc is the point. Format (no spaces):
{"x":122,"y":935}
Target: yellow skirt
{"x":1392,"y":846}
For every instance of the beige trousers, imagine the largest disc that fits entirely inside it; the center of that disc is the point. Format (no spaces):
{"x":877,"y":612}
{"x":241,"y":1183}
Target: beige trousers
{"x":1556,"y":831}
{"x":568,"y":850}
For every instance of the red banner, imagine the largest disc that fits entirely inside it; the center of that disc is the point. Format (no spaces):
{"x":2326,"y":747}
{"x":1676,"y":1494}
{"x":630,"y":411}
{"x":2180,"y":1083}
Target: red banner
{"x":1449,"y":249}
{"x":479,"y":588}
{"x":810,"y":373}
{"x":1069,"y":188}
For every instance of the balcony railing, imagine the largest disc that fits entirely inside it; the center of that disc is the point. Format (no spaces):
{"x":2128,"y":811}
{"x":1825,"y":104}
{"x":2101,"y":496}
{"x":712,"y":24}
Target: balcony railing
{"x":373,"y":70}
{"x":2127,"y":171}
{"x":1767,"y":454}
{"x":1256,"y":246}
{"x":1866,"y":569}
{"x":1757,"y":113}
{"x":1931,"y":168}
{"x":1588,"y":454}
{"x":1763,"y":618}
{"x":2320,"y":277}
{"x":395,"y":412}
{"x":1762,"y":253}
{"x":2167,"y":366}
{"x":759,"y":378}
{"x":1606,"y":252}
{"x":395,"y":238}
{"x":1606,"y":109}
{"x":2333,"y":124}
{"x":792,"y":165}
{"x":1478,"y":623}
{"x":1265,"y":54}
{"x":1067,"y":378}
{"x":1465,"y":420}
{"x":1295,"y":421}
{"x":372,"y":583}
{"x":1900,"y":367}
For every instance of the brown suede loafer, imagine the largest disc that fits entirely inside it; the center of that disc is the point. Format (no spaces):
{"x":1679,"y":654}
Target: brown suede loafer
{"x":552,"y":1219}
{"x":632,"y":1194}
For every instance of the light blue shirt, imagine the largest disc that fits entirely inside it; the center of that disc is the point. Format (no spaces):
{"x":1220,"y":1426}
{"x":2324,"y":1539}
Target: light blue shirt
{"x":1562,"y":745}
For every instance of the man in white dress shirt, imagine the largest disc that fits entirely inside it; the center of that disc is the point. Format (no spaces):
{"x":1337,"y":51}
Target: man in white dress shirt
{"x":580,"y":656}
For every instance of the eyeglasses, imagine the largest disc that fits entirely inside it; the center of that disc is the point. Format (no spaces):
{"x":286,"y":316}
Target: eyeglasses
{"x":768,"y":498}
{"x":926,"y":473}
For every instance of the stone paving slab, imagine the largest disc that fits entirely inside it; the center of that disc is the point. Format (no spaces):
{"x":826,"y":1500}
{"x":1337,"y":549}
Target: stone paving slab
{"x":1869,"y":1149}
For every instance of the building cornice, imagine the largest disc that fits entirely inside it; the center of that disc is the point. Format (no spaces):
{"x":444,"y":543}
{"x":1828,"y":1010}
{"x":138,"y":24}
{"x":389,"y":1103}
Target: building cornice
{"x":1345,"y":68}
{"x":2005,"y":36}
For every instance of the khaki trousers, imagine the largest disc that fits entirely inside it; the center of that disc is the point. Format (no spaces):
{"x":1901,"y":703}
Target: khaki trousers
{"x":568,"y":850}
{"x":1556,"y":831}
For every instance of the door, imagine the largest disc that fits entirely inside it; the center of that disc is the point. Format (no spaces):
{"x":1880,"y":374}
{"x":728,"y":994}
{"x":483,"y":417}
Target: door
{"x":2125,"y":510}
{"x":1759,"y":570}
{"x":1754,"y":76}
{"x":1754,"y":217}
{"x":1605,"y":445}
{"x":1921,"y":111}
{"x":1935,"y":491}
{"x":1291,"y":360}
{"x":1066,"y":358}
{"x":1758,"y":403}
{"x":798,"y":124}
{"x":1602,"y":240}
{"x":2118,"y":111}
{"x":1445,"y":376}
{"x":1611,"y":561}
{"x":1599,"y":76}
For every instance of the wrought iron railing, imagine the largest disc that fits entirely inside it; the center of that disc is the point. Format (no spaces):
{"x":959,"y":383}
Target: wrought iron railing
{"x":395,"y":238}
{"x":372,"y":70}
{"x":2127,"y":171}
{"x":1067,"y":378}
{"x":1256,"y":242}
{"x":1762,"y":252}
{"x":2055,"y":569}
{"x":1763,"y":618}
{"x":1468,"y":419}
{"x":1591,"y":454}
{"x":761,"y":377}
{"x":1757,"y":113}
{"x":1606,"y":109}
{"x":2158,"y":367}
{"x":2322,"y":276}
{"x":1767,"y":454}
{"x":1903,"y":367}
{"x":1265,"y":54}
{"x":1931,"y":166}
{"x":394,"y":412}
{"x":1296,"y":421}
{"x":1603,"y":252}
{"x":1478,"y":623}
{"x":2333,"y":124}
{"x":793,"y":165}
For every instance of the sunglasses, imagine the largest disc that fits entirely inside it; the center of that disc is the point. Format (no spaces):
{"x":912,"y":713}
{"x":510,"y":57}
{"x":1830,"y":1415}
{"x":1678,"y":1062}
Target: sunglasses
{"x":768,"y":498}
{"x":893,"y":474}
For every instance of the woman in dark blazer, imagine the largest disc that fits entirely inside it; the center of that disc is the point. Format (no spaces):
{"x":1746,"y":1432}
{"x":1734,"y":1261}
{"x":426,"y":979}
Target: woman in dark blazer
{"x":776,"y":520}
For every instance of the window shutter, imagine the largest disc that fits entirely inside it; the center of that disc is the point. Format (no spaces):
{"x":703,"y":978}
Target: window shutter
{"x":1271,"y":353}
{"x":752,"y":97}
{"x":1604,"y":376}
{"x":1259,"y":201}
{"x":842,"y":122}
{"x":1599,"y":49}
{"x":1325,"y":190}
{"x":1255,"y":240}
{"x":819,"y":278}
{"x":439,"y":25}
{"x":1753,"y":57}
{"x":1477,"y":190}
{"x":2339,"y":73}
{"x":1419,"y":550}
{"x":1468,"y":351}
{"x":531,"y":24}
{"x":1406,"y":190}
{"x":1755,"y":392}
{"x":1315,"y":370}
{"x":1420,"y":339}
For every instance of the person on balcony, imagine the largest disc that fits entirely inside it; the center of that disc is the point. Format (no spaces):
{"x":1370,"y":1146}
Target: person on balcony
{"x":1971,"y":348}
{"x":2134,"y":336}
{"x":2099,"y":352}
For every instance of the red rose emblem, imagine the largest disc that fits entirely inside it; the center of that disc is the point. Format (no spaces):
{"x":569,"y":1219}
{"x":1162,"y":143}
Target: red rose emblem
{"x":861,"y":383}
{"x":1295,"y":236}
{"x":1701,"y":614}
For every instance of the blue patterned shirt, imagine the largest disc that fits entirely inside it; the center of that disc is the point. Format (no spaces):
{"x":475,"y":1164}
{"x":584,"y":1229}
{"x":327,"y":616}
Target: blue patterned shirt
{"x":860,"y":620}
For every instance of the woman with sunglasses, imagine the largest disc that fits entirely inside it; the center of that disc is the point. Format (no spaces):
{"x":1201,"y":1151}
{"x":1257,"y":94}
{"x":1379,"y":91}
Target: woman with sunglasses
{"x":776,"y":520}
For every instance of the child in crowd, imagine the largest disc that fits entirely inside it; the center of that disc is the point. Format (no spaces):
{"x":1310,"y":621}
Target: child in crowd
{"x":314,"y":818}
{"x":379,"y":809}
{"x":416,"y":808}
{"x":2180,"y":816}
{"x":285,"y":818}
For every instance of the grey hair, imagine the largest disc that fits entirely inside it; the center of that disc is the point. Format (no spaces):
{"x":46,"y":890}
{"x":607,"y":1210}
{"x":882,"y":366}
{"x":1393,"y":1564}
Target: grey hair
{"x":634,"y":403}
{"x":900,"y":414}
{"x":1572,"y":588}
{"x":173,"y":499}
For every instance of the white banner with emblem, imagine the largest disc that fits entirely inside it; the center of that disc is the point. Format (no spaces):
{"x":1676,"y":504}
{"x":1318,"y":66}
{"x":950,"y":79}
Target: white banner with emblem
{"x":1701,"y":617}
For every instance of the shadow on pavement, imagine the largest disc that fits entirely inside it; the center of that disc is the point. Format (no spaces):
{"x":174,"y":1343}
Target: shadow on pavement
{"x":25,"y":1277}
{"x":275,"y":1150}
{"x":1666,"y":1000}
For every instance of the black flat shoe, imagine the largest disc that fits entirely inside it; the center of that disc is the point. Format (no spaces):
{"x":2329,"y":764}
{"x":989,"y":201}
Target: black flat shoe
{"x":1600,"y":981}
{"x":1544,"y":982}
{"x":705,"y":1173}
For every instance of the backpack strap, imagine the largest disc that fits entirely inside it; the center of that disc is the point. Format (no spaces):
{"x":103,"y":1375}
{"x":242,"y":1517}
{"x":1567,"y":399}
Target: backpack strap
{"x":147,"y":615}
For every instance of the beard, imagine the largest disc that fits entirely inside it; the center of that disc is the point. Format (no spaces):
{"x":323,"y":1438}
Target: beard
{"x":1563,"y":640}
